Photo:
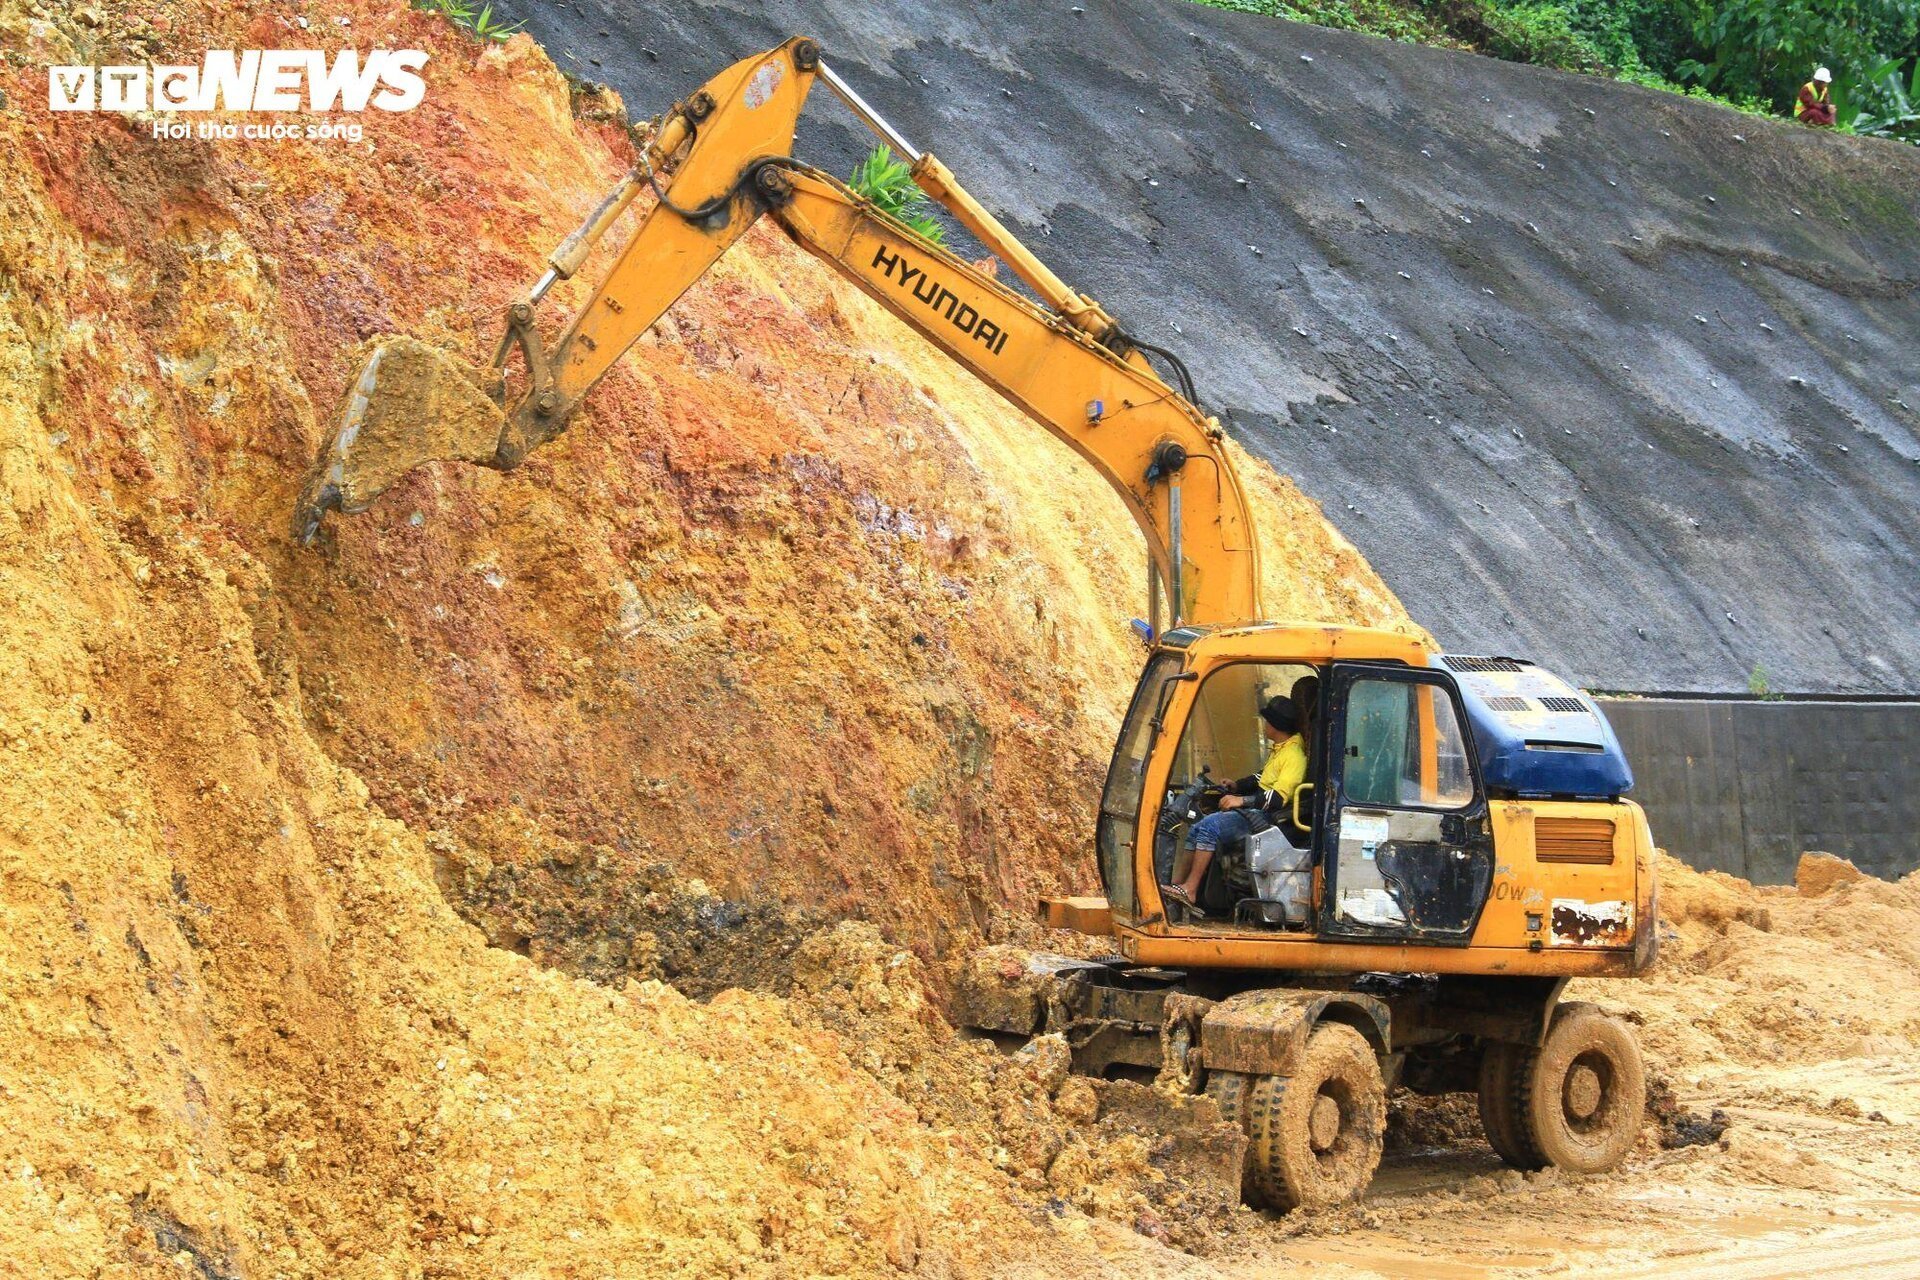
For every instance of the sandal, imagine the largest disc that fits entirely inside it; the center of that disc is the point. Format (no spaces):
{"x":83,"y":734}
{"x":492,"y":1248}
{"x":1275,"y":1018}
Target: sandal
{"x":1178,"y":893}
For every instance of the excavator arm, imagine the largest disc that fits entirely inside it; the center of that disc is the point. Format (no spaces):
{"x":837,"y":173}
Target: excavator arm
{"x":1138,"y":433}
{"x":1062,"y":360}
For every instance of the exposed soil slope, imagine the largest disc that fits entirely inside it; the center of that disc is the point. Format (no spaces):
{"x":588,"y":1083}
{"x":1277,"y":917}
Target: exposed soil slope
{"x":1620,"y":381}
{"x":796,"y":611}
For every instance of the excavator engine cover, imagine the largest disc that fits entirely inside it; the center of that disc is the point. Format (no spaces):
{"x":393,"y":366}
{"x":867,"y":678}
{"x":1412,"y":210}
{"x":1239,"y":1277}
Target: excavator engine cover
{"x":1537,"y":735}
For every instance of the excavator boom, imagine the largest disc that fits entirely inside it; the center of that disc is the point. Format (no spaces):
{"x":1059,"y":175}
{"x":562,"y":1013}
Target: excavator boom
{"x":1062,"y":359}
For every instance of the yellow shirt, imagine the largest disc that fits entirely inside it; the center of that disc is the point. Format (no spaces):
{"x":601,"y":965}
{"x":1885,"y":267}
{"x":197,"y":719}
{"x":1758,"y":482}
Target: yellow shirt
{"x":1286,"y":768}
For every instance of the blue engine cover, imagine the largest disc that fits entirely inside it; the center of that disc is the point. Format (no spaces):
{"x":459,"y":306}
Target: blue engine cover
{"x":1537,"y":735}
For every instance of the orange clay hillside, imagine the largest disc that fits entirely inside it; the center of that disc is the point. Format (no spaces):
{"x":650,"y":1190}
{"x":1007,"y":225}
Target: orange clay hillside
{"x":240,"y":1020}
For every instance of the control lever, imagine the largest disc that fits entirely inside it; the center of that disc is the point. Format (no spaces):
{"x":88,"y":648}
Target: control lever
{"x":1185,"y":806}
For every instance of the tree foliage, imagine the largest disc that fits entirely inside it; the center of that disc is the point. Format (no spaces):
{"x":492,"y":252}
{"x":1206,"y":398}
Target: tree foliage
{"x":1885,"y":101}
{"x":1768,"y":48}
{"x":1748,"y":54}
{"x":889,"y":184}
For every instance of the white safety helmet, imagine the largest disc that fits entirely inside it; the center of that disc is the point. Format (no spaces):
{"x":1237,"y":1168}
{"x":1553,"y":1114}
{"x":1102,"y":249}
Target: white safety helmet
{"x":1823,"y":75}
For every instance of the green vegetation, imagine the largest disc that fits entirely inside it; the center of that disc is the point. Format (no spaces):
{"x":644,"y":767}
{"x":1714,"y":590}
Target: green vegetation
{"x":1878,"y":103}
{"x":1403,"y":20}
{"x":478,"y":22}
{"x":1751,"y":55}
{"x":889,"y":184}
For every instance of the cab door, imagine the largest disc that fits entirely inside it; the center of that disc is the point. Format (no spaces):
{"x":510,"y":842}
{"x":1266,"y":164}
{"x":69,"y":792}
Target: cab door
{"x":1403,"y":837}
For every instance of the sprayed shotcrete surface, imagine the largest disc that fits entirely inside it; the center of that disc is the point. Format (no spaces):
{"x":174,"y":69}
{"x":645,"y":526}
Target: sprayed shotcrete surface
{"x":337,"y":888}
{"x":1583,"y":368}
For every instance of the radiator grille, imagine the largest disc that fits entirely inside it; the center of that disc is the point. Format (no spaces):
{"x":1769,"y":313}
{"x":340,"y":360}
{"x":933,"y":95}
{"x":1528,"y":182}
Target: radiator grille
{"x":1563,"y":704}
{"x":1483,"y":664}
{"x":1584,"y":840}
{"x":1508,"y":702}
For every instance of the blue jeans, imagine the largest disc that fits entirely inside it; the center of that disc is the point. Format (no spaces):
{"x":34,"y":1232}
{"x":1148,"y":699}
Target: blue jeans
{"x":1225,"y":827}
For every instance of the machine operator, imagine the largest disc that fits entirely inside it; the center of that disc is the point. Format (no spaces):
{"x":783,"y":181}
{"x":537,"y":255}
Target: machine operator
{"x":1251,"y":804}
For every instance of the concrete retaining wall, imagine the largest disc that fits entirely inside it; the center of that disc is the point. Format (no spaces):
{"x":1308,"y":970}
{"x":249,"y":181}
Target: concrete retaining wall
{"x":1746,"y":787}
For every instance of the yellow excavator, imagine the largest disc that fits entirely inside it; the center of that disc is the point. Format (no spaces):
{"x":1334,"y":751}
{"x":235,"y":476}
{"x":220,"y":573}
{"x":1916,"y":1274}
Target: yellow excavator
{"x":1460,"y":847}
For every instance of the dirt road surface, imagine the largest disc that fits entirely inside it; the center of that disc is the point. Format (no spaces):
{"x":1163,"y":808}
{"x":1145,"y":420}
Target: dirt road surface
{"x":1664,"y":1218}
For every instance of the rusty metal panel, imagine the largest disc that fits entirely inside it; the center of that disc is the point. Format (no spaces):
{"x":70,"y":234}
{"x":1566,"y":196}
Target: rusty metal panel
{"x":1576,"y":922}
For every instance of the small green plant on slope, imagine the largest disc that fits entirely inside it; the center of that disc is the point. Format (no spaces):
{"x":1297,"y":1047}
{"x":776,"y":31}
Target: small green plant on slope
{"x":1760,"y":685}
{"x":478,"y":22}
{"x":1654,"y":80}
{"x":889,"y":184}
{"x":1395,"y":21}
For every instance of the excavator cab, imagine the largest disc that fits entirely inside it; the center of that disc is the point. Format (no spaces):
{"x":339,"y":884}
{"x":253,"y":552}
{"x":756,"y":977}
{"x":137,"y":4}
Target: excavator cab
{"x":1474,"y":806}
{"x":1404,"y":839}
{"x":1463,"y":847}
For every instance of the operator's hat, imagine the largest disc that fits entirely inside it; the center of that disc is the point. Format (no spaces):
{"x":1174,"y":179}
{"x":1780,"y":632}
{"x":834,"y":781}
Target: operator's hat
{"x":1279,"y":713}
{"x":1823,"y":75}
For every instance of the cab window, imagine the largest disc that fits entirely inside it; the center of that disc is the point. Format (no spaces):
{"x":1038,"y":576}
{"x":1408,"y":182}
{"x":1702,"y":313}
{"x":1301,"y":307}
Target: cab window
{"x":1126,"y":776}
{"x":1224,"y":728}
{"x":1404,"y":747}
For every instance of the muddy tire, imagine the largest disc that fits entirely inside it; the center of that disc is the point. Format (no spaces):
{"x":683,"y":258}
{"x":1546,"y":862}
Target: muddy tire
{"x":1583,"y":1096}
{"x":1317,"y":1134}
{"x":1229,"y":1089}
{"x":1501,"y":1069}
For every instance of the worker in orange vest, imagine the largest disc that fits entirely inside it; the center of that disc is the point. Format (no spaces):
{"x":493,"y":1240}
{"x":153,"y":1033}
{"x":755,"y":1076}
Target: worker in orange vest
{"x":1816,"y":108}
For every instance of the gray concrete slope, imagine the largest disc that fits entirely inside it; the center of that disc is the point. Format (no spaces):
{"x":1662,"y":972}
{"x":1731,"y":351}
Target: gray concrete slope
{"x":1619,"y":381}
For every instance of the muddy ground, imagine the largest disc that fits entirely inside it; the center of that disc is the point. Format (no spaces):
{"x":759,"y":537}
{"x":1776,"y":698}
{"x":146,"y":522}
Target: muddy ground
{"x":1785,"y":1148}
{"x":1779,"y":1138}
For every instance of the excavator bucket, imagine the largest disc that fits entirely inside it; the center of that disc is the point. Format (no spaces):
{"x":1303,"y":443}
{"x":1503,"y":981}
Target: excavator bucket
{"x":410,"y":404}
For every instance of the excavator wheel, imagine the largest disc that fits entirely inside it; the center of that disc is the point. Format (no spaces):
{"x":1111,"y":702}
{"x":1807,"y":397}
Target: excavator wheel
{"x":1317,"y":1134}
{"x":1583,"y":1096}
{"x":1501,"y":1066}
{"x":1228,"y":1089}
